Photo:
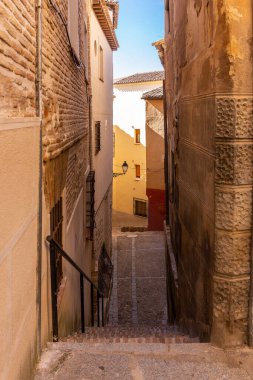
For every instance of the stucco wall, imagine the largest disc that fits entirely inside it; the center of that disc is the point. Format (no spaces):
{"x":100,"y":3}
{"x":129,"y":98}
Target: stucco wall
{"x":129,"y":113}
{"x":155,"y":144}
{"x":102,"y":103}
{"x":19,"y":152}
{"x":155,"y":187}
{"x":127,"y":187}
{"x":208,"y":62}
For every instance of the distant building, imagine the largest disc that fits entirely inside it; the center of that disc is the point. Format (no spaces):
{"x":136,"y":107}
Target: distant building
{"x":129,"y":191}
{"x":155,"y":188}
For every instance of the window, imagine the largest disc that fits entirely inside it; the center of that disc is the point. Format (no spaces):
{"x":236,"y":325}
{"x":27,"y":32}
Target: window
{"x":56,"y":219}
{"x":90,"y":202}
{"x":137,"y":136}
{"x":137,"y":171}
{"x":113,"y":141}
{"x":167,"y":16}
{"x":101,"y":63}
{"x":140,"y":207}
{"x":73,"y":25}
{"x":97,"y":137}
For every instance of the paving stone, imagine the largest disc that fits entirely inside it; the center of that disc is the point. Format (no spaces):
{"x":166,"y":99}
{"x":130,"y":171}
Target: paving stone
{"x":124,"y":301}
{"x":124,"y":262}
{"x":150,"y":263}
{"x":151,"y":304}
{"x":124,"y":243}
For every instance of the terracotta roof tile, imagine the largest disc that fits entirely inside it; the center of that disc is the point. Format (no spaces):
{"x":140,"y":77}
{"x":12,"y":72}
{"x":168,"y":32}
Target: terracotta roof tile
{"x":157,"y":93}
{"x":141,"y":77}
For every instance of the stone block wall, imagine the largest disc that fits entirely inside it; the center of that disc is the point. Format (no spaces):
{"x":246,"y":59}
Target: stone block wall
{"x":208,"y":60}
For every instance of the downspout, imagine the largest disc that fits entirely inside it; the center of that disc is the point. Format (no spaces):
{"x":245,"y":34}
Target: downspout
{"x":39,"y":113}
{"x":166,"y":158}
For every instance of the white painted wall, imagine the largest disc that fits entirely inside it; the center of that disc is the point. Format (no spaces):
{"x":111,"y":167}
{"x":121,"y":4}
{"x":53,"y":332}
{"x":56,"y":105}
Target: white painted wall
{"x":129,"y":109}
{"x":102,"y":104}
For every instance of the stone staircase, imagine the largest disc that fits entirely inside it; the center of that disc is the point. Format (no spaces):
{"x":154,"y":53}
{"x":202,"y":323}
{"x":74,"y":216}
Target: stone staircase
{"x":137,"y":344}
{"x":140,"y":353}
{"x":131,"y":334}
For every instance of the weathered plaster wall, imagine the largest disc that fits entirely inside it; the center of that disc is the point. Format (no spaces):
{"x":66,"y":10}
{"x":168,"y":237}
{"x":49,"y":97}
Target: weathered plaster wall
{"x":65,"y":155}
{"x":209,"y":88}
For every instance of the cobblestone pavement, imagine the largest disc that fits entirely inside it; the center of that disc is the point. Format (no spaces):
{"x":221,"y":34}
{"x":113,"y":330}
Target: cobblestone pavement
{"x":139,"y":282}
{"x":121,"y":219}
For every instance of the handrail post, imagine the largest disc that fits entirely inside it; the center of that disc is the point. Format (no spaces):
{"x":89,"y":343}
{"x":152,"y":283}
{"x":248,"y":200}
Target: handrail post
{"x":53,"y":270}
{"x":103,"y":322}
{"x":92,"y":304}
{"x":98,"y":310}
{"x":82,"y":303}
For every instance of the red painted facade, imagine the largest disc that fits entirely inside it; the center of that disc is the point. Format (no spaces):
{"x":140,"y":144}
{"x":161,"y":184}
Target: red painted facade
{"x":156,"y":209}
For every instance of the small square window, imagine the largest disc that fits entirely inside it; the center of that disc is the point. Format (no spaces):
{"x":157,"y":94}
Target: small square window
{"x":137,"y":136}
{"x":97,"y":137}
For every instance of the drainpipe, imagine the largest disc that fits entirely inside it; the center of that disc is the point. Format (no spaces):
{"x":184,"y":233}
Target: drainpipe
{"x":166,"y":158}
{"x":39,"y":113}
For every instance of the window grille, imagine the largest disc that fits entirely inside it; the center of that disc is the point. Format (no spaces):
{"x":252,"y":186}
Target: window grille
{"x":105,"y":270}
{"x":90,"y":204}
{"x":97,"y":137}
{"x":56,"y":219}
{"x":140,"y":207}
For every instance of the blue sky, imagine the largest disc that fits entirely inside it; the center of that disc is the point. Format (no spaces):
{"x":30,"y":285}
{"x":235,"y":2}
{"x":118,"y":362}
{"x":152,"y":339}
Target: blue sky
{"x":141,"y":22}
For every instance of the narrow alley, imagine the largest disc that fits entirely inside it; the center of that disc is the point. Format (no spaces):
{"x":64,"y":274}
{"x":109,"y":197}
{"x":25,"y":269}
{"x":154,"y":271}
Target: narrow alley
{"x":139,"y":280}
{"x":126,"y":190}
{"x":137,"y":343}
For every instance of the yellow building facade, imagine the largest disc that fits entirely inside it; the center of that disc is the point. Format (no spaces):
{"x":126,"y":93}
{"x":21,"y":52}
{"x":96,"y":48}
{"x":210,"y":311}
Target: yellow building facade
{"x":129,"y":113}
{"x":129,"y":188}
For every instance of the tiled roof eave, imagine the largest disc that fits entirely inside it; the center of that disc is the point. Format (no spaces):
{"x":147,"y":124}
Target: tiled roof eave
{"x":104,"y":20}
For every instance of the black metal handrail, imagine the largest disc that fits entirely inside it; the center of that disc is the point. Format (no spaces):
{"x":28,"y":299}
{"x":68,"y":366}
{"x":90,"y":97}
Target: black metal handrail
{"x":55,"y":247}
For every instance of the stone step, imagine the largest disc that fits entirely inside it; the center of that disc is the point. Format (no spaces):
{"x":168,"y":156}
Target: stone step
{"x":131,"y":334}
{"x":94,"y":361}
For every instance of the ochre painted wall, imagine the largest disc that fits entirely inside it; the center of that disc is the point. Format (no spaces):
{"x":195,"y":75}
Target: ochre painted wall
{"x":127,"y":187}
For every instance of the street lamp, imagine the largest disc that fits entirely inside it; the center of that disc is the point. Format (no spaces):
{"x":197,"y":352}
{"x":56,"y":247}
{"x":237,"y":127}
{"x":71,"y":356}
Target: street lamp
{"x":124,"y":169}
